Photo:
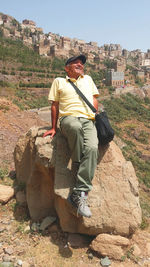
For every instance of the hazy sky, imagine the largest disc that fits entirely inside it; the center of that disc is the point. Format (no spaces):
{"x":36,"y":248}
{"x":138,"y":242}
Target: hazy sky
{"x":126,"y":22}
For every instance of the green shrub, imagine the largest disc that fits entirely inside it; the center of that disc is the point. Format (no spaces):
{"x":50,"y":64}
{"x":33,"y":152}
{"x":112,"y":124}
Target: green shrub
{"x":143,"y":137}
{"x":3,"y":173}
{"x":35,"y":85}
{"x":12,"y":73}
{"x":58,"y":63}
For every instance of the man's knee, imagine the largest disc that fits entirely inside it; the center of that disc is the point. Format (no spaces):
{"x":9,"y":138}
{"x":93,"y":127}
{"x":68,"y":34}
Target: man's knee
{"x":75,"y":128}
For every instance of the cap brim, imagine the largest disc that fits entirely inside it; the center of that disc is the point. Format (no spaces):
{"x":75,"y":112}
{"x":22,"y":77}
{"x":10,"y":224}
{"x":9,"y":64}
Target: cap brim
{"x":81,"y":57}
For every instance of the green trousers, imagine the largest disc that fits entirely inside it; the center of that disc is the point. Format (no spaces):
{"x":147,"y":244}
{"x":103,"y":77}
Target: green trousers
{"x":82,"y":139}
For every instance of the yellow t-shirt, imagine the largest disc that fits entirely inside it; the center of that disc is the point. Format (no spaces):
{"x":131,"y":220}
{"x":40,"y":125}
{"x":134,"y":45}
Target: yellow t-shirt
{"x":70,"y":103}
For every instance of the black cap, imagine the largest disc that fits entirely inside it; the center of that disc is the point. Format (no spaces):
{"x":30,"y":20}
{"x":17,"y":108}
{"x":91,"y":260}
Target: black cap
{"x":71,"y":59}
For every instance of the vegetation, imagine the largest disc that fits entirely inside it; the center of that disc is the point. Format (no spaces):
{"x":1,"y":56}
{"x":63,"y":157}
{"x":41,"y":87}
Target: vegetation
{"x":36,"y":85}
{"x":17,"y":51}
{"x":27,"y":100}
{"x":126,"y":108}
{"x":58,"y":64}
{"x":109,"y":63}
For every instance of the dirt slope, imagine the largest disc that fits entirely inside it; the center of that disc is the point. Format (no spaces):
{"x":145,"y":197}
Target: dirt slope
{"x":13,"y":123}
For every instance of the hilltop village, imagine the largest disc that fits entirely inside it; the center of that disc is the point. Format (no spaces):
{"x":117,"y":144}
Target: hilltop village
{"x":55,"y":45}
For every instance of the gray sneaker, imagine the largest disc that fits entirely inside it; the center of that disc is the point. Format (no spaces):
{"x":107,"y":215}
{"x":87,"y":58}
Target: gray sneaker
{"x":79,"y":200}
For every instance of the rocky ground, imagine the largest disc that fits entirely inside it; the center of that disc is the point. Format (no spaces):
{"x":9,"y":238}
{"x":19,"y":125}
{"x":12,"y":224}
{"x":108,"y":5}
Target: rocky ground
{"x":21,"y":244}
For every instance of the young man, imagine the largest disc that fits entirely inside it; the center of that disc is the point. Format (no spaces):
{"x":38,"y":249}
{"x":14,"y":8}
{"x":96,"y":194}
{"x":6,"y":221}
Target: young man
{"x":77,"y":125}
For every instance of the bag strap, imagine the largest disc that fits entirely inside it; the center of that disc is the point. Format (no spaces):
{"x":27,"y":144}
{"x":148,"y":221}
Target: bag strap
{"x":83,"y":96}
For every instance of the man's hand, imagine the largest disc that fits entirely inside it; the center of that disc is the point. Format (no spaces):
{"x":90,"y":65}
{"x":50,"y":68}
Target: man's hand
{"x":51,"y":132}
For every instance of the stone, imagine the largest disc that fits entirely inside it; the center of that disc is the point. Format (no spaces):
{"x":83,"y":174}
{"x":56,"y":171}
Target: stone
{"x":27,"y":229}
{"x":34,"y":162}
{"x":21,"y":197}
{"x":6,"y":193}
{"x":90,"y":256}
{"x":35,"y":227}
{"x":47,"y":222}
{"x":141,"y":244}
{"x":8,"y":250}
{"x":105,"y":262}
{"x":113,"y":246}
{"x":44,"y":165}
{"x":19,"y":262}
{"x":7,"y":258}
{"x":114,"y":194}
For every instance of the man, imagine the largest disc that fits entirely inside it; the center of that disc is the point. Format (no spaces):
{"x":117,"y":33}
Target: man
{"x":77,"y":125}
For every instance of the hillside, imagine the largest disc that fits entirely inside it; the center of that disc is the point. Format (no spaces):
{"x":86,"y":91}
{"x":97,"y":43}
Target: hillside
{"x":25,"y":79}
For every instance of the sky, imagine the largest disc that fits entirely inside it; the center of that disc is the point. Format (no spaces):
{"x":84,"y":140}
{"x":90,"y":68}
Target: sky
{"x":124,"y":22}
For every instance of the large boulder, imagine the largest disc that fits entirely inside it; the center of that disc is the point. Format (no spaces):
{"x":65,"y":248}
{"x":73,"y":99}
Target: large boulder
{"x":44,"y":165}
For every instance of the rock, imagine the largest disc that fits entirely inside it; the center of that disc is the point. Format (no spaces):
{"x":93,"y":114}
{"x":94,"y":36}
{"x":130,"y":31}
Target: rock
{"x":140,"y":243}
{"x":2,"y":229}
{"x":105,"y":262}
{"x":90,"y":256}
{"x":44,"y":165}
{"x":46,"y":222}
{"x":27,"y":229}
{"x":21,"y":197}
{"x":7,"y":258}
{"x":114,"y":194}
{"x":112,"y":246}
{"x":35,"y":227}
{"x":6,"y":193}
{"x":8,"y":250}
{"x":34,"y":161}
{"x":19,"y":262}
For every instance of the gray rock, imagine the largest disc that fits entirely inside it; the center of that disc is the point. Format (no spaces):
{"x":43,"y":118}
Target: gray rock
{"x":105,"y":262}
{"x":19,"y":262}
{"x":90,"y":256}
{"x":47,"y":222}
{"x":35,"y":227}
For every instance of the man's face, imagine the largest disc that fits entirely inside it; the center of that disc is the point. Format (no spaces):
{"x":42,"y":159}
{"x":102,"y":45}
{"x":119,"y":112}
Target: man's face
{"x":75,"y":69}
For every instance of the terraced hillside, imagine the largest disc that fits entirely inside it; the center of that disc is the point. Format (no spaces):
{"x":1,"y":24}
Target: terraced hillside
{"x":25,"y":79}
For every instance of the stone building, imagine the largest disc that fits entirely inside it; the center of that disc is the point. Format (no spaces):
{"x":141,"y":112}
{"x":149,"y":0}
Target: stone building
{"x":140,"y":74}
{"x":119,"y":65}
{"x":125,"y":53}
{"x":28,"y":24}
{"x":115,"y":78}
{"x":145,"y":62}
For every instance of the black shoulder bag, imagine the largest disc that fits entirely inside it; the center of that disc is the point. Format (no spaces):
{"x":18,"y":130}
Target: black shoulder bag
{"x":105,"y":133}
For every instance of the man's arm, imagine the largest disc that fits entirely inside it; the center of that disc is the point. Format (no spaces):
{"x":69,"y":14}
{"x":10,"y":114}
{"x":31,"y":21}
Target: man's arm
{"x":95,"y":103}
{"x":54,"y":118}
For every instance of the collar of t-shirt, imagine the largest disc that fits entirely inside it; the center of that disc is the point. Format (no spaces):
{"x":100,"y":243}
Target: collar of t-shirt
{"x":73,"y":79}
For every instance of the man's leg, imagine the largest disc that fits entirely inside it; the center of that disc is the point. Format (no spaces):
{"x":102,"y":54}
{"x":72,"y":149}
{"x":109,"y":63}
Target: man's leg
{"x":88,"y":161}
{"x":82,"y":139}
{"x":71,"y":128}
